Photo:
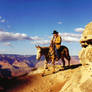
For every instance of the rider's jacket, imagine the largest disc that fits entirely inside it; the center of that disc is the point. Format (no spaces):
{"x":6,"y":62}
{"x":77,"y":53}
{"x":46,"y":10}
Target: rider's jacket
{"x":57,"y":41}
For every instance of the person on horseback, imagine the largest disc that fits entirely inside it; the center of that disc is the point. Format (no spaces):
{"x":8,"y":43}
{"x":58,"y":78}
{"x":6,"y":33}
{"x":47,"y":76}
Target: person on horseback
{"x":56,"y":41}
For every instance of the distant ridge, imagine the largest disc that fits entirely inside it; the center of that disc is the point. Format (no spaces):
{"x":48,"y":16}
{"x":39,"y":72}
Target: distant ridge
{"x":11,"y":58}
{"x":28,"y":59}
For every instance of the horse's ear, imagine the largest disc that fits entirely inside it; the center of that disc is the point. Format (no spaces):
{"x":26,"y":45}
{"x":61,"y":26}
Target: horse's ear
{"x":36,"y":46}
{"x":39,"y":46}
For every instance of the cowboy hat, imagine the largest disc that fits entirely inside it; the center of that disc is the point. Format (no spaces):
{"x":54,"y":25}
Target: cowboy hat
{"x":55,"y":32}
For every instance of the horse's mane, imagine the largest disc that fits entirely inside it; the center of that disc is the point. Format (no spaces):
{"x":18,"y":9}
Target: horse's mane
{"x":62,"y":46}
{"x":44,"y":47}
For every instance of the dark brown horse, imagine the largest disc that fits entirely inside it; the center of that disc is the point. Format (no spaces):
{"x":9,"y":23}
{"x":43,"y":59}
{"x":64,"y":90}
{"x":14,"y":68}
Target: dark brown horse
{"x":49,"y":54}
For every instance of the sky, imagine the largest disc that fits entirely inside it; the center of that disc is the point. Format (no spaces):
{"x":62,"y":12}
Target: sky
{"x":26,"y":23}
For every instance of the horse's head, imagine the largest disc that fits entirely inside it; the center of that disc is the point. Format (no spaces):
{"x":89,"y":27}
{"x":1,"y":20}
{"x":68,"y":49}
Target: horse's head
{"x":39,"y":54}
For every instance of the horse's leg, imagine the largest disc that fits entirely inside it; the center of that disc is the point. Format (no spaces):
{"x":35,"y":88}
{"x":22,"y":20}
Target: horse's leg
{"x":45,"y":64}
{"x":63,"y":61}
{"x":53,"y":66}
{"x":45,"y":67}
{"x":68,"y":58}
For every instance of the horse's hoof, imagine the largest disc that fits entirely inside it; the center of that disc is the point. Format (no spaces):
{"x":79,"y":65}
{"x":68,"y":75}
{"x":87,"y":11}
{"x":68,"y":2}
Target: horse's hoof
{"x":43,"y":75}
{"x":53,"y":72}
{"x":60,"y":69}
{"x":46,"y":68}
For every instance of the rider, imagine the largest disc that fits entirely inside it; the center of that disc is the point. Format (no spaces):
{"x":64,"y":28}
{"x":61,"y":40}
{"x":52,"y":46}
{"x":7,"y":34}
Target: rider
{"x":56,"y":40}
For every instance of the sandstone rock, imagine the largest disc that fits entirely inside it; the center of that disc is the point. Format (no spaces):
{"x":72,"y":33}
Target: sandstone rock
{"x":87,"y":34}
{"x":85,"y":54}
{"x":88,"y":53}
{"x":82,"y":56}
{"x":80,"y":81}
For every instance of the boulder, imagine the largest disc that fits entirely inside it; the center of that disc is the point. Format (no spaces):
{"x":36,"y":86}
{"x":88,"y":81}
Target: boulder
{"x":85,"y":54}
{"x":87,"y":33}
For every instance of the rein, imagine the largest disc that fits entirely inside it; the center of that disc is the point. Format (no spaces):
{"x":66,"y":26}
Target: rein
{"x":51,"y":51}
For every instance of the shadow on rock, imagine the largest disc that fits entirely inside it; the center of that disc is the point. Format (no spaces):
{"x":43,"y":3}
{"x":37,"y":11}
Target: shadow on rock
{"x":72,"y":66}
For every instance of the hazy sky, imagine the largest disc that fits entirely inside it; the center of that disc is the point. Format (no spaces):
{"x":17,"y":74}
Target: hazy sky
{"x":26,"y":23}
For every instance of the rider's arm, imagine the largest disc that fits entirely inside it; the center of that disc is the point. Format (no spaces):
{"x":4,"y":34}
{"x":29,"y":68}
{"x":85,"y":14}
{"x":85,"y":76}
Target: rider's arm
{"x":58,"y":40}
{"x":52,"y":40}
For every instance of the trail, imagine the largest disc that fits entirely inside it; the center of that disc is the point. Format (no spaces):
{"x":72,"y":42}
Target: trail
{"x":34,"y":82}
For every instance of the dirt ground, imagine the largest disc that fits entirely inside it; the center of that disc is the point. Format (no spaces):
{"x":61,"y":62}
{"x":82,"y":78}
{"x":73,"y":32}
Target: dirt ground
{"x":35,"y":82}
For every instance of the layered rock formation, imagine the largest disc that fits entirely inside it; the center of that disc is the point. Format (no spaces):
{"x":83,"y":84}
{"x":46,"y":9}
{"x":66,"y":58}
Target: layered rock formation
{"x":85,"y":54}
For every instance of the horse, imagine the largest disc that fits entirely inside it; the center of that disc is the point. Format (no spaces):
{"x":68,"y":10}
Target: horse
{"x":49,"y":54}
